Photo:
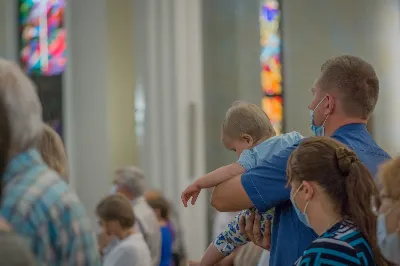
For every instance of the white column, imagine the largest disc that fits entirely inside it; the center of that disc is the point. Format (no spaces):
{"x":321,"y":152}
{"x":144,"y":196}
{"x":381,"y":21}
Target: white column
{"x":85,"y":98}
{"x":190,"y":114}
{"x":167,"y":97}
{"x":9,"y":41}
{"x":387,"y":61}
{"x":169,"y":70}
{"x":98,"y":95}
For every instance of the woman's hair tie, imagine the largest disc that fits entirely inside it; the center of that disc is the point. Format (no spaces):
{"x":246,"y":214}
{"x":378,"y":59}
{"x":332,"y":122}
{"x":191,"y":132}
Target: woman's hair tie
{"x":345,"y":159}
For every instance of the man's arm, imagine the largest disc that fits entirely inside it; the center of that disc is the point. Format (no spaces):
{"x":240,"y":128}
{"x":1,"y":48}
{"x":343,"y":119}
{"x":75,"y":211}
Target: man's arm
{"x":263,"y":186}
{"x":230,"y":196}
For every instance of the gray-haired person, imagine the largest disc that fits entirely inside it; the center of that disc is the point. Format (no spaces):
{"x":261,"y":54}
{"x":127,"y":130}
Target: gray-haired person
{"x":35,"y":201}
{"x":130,"y":182}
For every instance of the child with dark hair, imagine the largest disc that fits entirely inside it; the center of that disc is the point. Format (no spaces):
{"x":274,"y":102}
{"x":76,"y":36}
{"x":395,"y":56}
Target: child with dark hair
{"x":161,"y":208}
{"x":117,"y":218}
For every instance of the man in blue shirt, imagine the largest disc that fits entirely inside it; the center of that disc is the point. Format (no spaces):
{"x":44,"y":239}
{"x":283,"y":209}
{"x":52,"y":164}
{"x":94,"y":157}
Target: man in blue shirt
{"x":345,"y":95}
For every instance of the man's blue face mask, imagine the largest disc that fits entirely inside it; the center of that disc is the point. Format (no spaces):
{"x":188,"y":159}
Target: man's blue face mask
{"x":317,"y":130}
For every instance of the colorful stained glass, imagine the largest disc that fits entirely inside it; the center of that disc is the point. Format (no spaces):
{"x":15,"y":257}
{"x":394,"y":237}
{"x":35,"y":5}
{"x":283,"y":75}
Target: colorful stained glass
{"x":271,"y":69}
{"x":273,"y":108}
{"x":43,"y":36}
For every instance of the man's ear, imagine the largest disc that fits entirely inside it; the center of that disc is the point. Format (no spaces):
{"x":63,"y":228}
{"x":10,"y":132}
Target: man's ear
{"x":330,"y":105}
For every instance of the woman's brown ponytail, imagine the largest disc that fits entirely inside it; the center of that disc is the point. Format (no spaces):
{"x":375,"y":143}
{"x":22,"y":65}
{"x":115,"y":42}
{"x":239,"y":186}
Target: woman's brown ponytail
{"x":357,"y":206}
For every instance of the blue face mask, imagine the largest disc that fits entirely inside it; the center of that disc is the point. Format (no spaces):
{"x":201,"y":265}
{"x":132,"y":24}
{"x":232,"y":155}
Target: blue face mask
{"x":318,"y":131}
{"x":113,"y":189}
{"x":302,"y":216}
{"x":389,"y":244}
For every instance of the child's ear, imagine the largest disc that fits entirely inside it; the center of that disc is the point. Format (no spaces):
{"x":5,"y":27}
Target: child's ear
{"x":247,"y":138}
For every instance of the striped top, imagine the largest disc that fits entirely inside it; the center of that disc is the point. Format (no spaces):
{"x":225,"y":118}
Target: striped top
{"x":343,"y":244}
{"x":43,"y":210}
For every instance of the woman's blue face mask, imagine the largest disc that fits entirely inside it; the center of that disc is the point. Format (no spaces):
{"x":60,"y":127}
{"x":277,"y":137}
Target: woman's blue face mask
{"x":113,"y":189}
{"x":302,"y":216}
{"x":388,"y":243}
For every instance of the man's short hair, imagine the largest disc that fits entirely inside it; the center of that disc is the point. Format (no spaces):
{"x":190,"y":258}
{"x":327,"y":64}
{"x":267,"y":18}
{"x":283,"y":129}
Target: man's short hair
{"x":247,"y":118}
{"x":116,"y":207}
{"x":22,"y":106}
{"x":355,"y":82}
{"x":132,"y":178}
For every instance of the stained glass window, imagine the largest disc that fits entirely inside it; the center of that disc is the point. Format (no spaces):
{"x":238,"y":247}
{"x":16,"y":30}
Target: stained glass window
{"x":42,"y":53}
{"x":271,"y":69}
{"x":42,"y":36}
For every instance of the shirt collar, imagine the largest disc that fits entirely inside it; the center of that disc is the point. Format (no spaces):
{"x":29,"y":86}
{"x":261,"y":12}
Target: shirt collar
{"x":20,"y":163}
{"x":350,"y":128}
{"x":138,"y":200}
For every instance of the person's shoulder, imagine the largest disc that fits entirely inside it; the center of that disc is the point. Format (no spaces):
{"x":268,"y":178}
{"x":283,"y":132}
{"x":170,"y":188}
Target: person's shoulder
{"x":362,"y":143}
{"x":331,"y":251}
{"x":349,"y":233}
{"x":145,"y":214}
{"x":135,"y":245}
{"x":281,"y":141}
{"x":274,"y":162}
{"x":36,"y":193}
{"x":292,"y":136}
{"x":284,"y":153}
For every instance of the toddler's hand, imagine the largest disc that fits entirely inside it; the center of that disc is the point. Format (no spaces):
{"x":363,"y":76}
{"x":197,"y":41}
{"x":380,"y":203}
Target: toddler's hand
{"x":191,"y":191}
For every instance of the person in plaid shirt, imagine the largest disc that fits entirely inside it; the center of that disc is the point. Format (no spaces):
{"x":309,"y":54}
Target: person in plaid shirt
{"x":36,"y":202}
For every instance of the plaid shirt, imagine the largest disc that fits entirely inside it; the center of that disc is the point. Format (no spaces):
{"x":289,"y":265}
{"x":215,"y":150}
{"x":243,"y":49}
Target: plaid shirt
{"x":42,"y":208}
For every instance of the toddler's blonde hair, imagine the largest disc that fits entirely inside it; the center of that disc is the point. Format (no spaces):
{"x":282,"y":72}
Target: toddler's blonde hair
{"x":247,"y":118}
{"x":53,"y":152}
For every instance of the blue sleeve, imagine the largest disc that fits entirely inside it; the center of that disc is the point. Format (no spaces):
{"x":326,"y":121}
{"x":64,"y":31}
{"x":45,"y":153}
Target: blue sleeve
{"x":266,"y":184}
{"x":247,"y":159}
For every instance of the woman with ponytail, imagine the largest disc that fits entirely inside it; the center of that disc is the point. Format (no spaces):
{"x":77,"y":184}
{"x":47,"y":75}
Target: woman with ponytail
{"x":331,"y":191}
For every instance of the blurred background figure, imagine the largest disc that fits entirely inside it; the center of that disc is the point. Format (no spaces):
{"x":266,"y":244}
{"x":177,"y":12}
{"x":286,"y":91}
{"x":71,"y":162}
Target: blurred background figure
{"x":52,"y":149}
{"x":130,"y":182}
{"x":178,"y":248}
{"x":58,"y":231}
{"x":162,"y":209}
{"x":387,"y":203}
{"x":116,"y":217}
{"x":250,"y":255}
{"x":13,"y":249}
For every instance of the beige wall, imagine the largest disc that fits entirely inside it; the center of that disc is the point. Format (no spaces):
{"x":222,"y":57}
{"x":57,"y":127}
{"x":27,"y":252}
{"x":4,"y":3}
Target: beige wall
{"x":316,"y":30}
{"x":121,"y":119}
